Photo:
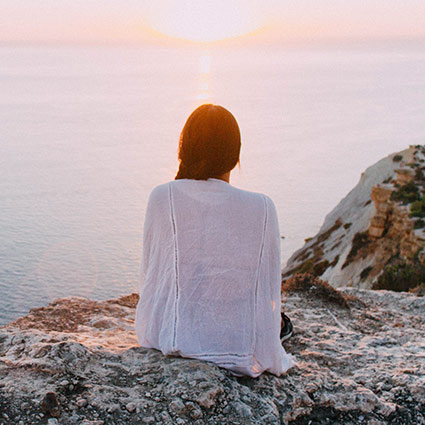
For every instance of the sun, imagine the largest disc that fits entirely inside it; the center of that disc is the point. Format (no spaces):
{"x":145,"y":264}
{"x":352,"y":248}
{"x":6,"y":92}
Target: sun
{"x":205,"y":20}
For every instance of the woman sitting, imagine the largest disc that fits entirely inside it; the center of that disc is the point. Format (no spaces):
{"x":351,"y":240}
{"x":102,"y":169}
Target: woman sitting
{"x":211,"y":276}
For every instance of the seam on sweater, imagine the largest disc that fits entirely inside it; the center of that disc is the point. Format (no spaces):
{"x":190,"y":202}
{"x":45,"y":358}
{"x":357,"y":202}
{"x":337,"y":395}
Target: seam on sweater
{"x":260,"y":257}
{"x":221,"y":364}
{"x":220,"y":355}
{"x":173,"y":222}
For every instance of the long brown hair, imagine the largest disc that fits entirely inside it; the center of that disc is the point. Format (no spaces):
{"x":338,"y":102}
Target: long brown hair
{"x":210,"y":143}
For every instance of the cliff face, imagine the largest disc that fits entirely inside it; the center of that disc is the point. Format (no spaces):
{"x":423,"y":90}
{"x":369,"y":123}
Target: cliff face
{"x":77,"y":362}
{"x":371,"y":227}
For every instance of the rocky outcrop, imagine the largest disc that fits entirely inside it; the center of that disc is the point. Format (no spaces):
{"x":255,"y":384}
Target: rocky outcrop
{"x":403,"y":175}
{"x":381,"y":200}
{"x":372,"y":227}
{"x":77,"y":362}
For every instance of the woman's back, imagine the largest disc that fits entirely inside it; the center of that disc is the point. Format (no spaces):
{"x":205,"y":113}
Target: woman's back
{"x":210,"y":285}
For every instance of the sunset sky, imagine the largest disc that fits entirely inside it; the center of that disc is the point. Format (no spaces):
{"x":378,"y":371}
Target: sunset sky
{"x":279,"y":20}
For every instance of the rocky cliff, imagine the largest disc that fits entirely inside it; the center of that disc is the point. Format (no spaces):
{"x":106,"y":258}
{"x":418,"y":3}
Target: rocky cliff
{"x":360,"y":361}
{"x":377,"y":225}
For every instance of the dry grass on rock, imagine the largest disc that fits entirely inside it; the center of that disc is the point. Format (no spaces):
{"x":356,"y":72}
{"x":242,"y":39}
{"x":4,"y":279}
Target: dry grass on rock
{"x":313,"y":286}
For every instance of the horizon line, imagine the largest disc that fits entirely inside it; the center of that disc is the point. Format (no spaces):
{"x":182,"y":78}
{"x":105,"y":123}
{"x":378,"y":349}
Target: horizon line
{"x":242,"y":41}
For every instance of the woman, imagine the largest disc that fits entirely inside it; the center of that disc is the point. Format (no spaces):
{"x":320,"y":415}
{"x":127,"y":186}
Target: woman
{"x":210,"y":286}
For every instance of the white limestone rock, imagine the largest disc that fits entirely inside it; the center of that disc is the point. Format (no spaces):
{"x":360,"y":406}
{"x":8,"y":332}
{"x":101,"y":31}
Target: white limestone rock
{"x":351,"y":216}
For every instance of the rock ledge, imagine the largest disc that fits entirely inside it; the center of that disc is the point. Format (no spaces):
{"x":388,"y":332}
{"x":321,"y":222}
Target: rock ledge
{"x":77,"y":362}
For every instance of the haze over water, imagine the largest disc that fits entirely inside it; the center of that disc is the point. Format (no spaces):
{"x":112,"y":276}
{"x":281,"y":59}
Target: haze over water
{"x":87,"y":132}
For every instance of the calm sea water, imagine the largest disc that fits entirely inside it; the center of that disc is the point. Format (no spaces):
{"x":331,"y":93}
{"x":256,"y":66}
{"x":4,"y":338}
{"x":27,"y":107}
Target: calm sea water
{"x":87,"y":132}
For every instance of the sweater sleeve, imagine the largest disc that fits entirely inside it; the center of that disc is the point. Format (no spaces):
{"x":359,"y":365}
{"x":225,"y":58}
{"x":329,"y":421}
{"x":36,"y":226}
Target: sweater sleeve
{"x":155,"y":291}
{"x":154,"y":210}
{"x":271,"y":268}
{"x":146,"y":240}
{"x":272,"y":258}
{"x":269,"y":353}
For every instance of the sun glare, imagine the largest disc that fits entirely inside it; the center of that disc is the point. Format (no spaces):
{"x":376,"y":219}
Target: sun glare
{"x":204,"y":91}
{"x":205,"y":20}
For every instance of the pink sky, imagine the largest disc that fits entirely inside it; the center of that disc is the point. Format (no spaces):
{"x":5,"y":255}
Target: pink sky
{"x":129,"y":20}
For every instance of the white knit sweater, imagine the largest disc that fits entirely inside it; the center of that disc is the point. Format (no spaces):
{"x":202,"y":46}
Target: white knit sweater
{"x":211,"y":277}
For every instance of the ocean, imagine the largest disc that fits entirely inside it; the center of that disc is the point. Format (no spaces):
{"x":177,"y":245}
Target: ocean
{"x":86,"y":132}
